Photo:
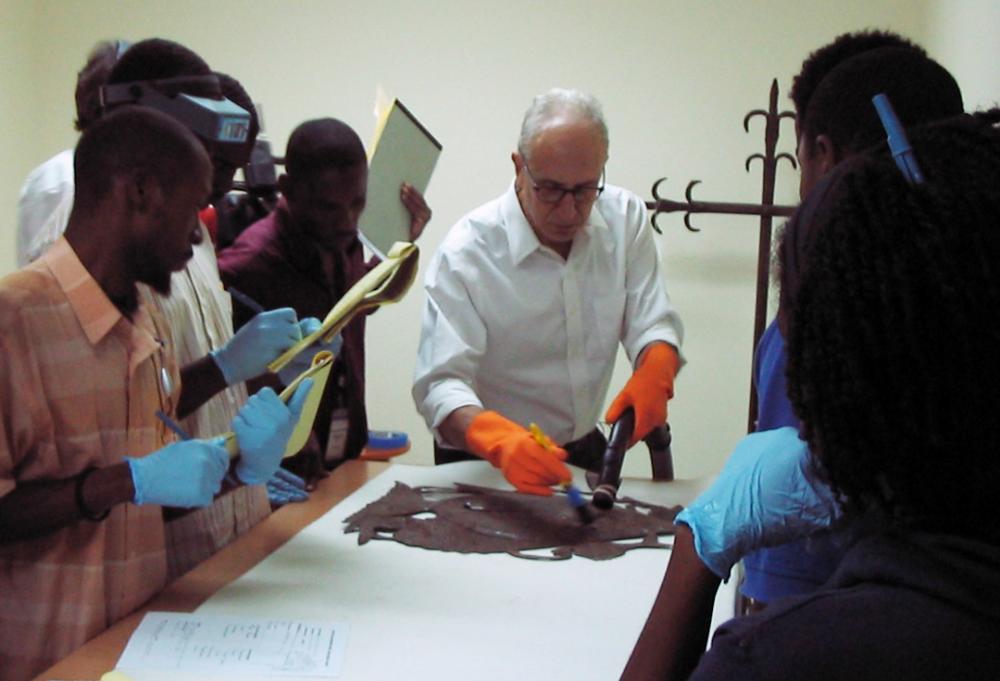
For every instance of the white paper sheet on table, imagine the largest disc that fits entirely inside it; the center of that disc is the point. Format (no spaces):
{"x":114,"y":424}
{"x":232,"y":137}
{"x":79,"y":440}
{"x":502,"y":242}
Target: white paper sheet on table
{"x":196,"y":646}
{"x":421,"y":614}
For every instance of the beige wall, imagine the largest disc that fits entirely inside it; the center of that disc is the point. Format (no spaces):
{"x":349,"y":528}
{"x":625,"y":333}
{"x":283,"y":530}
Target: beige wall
{"x":18,"y":144}
{"x":966,"y":39}
{"x":675,"y":77}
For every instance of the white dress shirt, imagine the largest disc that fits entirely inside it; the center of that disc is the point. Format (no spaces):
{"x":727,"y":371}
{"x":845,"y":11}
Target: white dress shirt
{"x":44,"y":206}
{"x":509,"y":325}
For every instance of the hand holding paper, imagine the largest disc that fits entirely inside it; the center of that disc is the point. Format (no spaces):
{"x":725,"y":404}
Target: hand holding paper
{"x":262,"y":339}
{"x":416,"y":206}
{"x":304,"y":359}
{"x":318,"y":373}
{"x":263,"y":428}
{"x":401,"y":157}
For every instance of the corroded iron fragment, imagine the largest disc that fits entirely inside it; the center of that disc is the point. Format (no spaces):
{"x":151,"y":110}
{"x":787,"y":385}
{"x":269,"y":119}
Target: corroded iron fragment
{"x":471,"y":519}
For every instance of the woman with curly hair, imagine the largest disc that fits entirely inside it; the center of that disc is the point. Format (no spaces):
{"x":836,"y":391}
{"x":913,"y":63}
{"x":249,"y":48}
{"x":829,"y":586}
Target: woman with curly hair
{"x":890,"y":301}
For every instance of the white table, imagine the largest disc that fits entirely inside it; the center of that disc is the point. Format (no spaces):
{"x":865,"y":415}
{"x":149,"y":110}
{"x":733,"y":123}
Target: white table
{"x":421,"y":614}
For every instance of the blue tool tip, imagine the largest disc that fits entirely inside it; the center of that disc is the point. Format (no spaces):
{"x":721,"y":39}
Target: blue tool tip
{"x":579,"y":505}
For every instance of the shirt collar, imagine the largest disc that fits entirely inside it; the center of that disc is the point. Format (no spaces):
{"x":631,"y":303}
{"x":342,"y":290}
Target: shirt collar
{"x":93,"y":309}
{"x":523,"y":240}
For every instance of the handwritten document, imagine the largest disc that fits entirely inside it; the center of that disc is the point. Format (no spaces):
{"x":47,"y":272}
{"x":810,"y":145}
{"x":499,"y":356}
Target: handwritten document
{"x":217,"y":646}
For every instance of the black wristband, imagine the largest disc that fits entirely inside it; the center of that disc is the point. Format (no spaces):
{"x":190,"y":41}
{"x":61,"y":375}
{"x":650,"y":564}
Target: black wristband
{"x":81,"y":506}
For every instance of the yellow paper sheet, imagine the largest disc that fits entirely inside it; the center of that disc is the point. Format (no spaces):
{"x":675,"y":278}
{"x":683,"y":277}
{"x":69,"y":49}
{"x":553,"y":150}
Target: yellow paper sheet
{"x":319,"y":371}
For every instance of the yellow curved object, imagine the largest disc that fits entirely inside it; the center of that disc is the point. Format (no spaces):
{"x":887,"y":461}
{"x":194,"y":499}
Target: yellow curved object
{"x":115,"y":676}
{"x":319,"y":371}
{"x":387,"y":282}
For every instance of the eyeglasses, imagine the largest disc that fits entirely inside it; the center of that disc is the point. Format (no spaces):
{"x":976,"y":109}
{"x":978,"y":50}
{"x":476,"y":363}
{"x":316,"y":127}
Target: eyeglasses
{"x":551,"y":192}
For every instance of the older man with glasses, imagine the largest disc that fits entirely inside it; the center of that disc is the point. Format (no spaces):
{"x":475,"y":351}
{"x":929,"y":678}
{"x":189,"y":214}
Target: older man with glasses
{"x":528,"y":298}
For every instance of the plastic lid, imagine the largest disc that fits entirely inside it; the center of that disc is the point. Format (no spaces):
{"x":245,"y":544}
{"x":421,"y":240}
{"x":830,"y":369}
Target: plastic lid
{"x":387,"y":439}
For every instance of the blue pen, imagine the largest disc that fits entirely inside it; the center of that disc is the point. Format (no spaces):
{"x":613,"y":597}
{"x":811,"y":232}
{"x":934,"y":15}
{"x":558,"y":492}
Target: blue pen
{"x":184,"y":435}
{"x":173,"y":425}
{"x":899,"y":145}
{"x":245,"y":300}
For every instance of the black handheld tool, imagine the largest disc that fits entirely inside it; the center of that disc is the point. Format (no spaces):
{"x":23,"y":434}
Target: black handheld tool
{"x":611,"y":465}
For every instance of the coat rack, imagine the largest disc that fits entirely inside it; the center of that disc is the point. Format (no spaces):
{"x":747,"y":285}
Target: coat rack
{"x":766,"y":210}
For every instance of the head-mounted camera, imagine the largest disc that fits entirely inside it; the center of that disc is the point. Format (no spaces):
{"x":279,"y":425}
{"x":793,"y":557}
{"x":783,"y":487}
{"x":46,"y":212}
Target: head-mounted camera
{"x":216,"y":120}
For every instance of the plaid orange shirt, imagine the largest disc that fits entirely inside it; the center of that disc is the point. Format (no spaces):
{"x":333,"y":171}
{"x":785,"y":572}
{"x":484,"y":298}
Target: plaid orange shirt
{"x":79,"y":387}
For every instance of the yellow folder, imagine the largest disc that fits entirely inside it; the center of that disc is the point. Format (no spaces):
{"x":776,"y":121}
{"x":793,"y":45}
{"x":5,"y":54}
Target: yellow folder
{"x":403,"y":151}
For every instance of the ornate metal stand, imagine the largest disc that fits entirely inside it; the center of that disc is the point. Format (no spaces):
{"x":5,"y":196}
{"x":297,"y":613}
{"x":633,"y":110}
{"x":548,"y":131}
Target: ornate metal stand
{"x":766,"y":210}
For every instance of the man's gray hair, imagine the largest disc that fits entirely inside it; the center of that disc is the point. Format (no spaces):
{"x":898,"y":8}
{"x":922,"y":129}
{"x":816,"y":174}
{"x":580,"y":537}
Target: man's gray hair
{"x":557,"y":101}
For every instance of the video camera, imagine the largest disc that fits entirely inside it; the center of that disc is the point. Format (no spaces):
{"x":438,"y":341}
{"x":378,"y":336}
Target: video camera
{"x":253,"y":198}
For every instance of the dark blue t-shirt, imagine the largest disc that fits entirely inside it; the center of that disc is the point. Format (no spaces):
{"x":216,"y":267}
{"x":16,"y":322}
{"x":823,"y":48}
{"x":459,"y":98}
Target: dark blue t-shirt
{"x":801,"y":566}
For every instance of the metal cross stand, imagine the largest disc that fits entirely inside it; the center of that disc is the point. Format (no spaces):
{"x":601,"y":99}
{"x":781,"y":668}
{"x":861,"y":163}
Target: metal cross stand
{"x":766,"y":209}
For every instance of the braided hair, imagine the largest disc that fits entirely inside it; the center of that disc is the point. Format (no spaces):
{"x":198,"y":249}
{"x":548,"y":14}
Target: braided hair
{"x":894,"y":330}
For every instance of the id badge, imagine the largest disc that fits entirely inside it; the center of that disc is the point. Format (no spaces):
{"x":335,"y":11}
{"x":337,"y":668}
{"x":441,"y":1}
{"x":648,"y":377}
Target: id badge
{"x":336,"y":442}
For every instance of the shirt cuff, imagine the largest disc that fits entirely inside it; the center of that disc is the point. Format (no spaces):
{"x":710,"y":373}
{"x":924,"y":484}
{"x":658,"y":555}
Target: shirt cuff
{"x":654,"y":335}
{"x":445,"y":397}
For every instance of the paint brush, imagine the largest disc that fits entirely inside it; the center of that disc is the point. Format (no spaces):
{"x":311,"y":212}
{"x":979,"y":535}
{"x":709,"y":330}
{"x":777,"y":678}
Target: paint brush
{"x":572,"y":493}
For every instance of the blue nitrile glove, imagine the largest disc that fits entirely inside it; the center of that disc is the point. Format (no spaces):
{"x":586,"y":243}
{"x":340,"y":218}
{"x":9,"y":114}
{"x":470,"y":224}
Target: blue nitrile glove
{"x":303,"y":360}
{"x":285,"y":487}
{"x":767,"y":494}
{"x":262,"y":429}
{"x":259,"y":341}
{"x":185,"y":474}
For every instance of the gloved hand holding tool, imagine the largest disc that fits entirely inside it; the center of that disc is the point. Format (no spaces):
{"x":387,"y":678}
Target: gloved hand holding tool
{"x":525,"y":463}
{"x":647,"y":391}
{"x":573,"y":495}
{"x":185,"y":474}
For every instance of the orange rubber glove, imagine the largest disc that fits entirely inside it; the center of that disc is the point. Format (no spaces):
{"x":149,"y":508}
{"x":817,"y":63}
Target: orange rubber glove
{"x":647,"y":392}
{"x":526,"y":464}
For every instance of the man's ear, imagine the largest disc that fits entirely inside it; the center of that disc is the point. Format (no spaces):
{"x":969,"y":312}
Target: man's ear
{"x":518,"y":161}
{"x":825,"y":153}
{"x":143,"y":192}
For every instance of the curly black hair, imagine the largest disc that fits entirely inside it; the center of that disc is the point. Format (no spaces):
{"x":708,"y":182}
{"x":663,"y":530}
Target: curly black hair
{"x":321,"y":144}
{"x":894,"y":332}
{"x":921,"y":90}
{"x":156,"y":58}
{"x":821,"y":61}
